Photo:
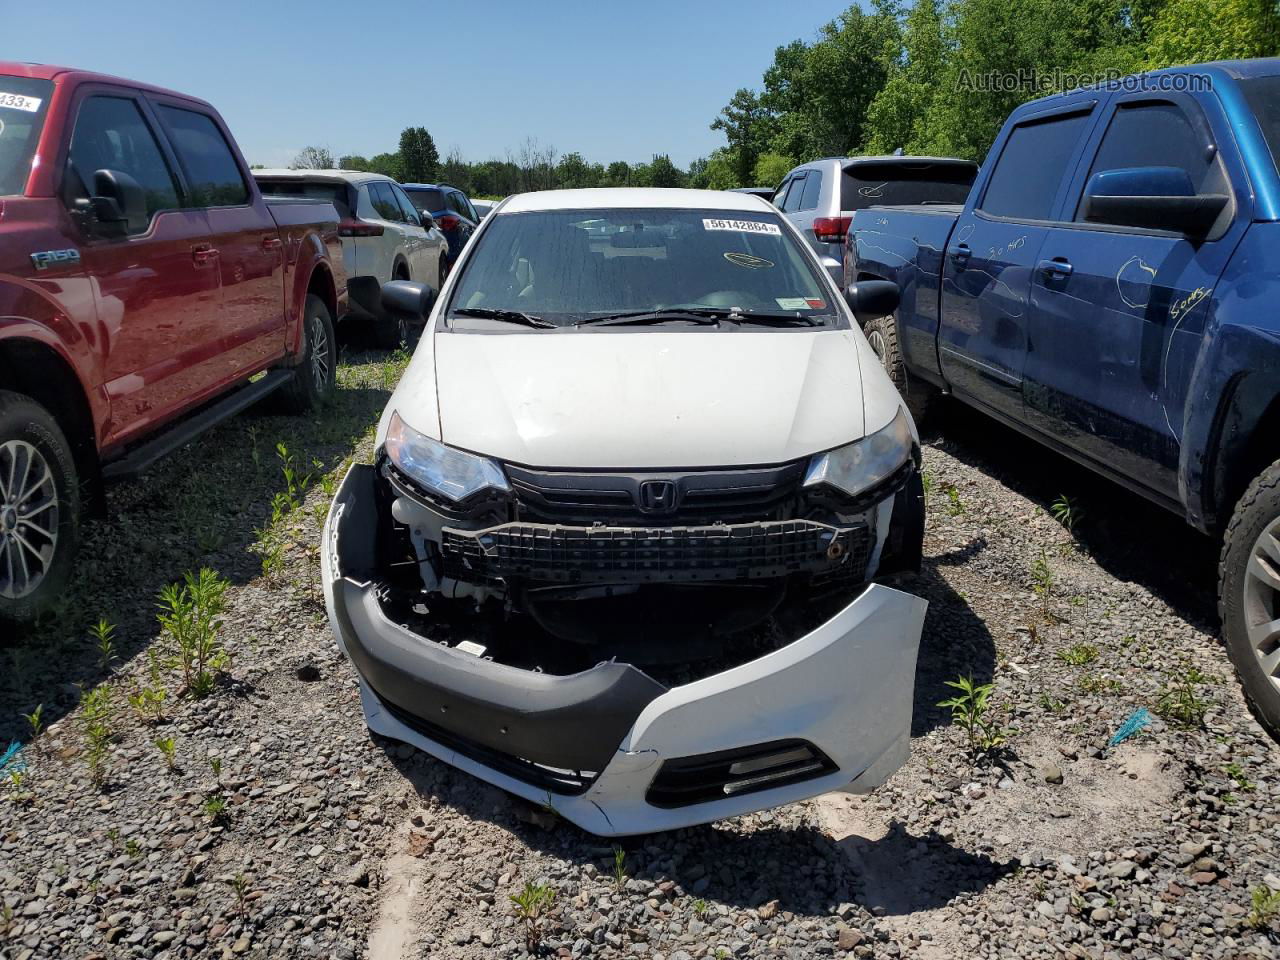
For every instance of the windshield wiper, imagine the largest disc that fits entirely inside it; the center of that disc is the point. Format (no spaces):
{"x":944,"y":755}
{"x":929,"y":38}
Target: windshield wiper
{"x":705,"y":317}
{"x":507,"y":316}
{"x":776,"y":319}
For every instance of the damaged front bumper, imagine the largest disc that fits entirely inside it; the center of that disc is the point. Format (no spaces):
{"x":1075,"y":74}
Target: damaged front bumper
{"x":610,"y":748}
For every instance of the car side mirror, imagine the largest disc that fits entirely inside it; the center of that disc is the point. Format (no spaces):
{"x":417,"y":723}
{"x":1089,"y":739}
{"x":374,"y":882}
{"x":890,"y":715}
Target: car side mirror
{"x":1155,"y":198}
{"x":872,"y":299}
{"x":118,"y":203}
{"x":405,"y":298}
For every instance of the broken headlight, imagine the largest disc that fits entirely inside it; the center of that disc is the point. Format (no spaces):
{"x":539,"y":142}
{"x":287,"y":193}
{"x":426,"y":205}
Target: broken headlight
{"x":439,"y":469}
{"x":859,"y":466}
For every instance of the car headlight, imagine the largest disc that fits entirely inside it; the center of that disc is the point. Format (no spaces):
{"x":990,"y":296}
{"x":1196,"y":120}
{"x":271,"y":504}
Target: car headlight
{"x":442,"y":470}
{"x":859,"y":466}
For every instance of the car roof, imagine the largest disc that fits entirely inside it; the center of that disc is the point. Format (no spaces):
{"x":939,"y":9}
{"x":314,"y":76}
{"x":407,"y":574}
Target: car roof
{"x":635,"y":197}
{"x":429,"y":186}
{"x":49,"y":71}
{"x":328,"y":176}
{"x":846,"y":162}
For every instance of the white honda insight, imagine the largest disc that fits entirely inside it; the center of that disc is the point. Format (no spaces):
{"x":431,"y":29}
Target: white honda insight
{"x":624,"y":544}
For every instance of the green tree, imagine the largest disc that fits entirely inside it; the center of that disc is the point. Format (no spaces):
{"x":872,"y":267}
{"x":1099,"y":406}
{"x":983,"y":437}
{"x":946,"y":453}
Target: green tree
{"x":722,"y":170}
{"x":387,"y":164}
{"x":664,"y":173}
{"x":1196,"y":31}
{"x":618,"y":174}
{"x":747,"y":125}
{"x":770,"y":169}
{"x":353,"y":161}
{"x":573,"y":172}
{"x":419,"y":158}
{"x":896,"y":117}
{"x":313,"y":158}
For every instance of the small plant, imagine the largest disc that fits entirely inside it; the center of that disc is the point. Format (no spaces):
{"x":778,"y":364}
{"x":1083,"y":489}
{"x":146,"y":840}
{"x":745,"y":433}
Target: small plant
{"x":103,"y":634}
{"x":1265,"y":909}
{"x":35,"y":720}
{"x":215,"y":807}
{"x":1236,"y":773}
{"x":1042,"y":580}
{"x":240,"y":887}
{"x":1067,"y":512}
{"x":1180,"y":701}
{"x":169,"y":750}
{"x":132,"y":849}
{"x":190,"y":615}
{"x":955,"y":506}
{"x":18,"y":792}
{"x":215,"y":764}
{"x":113,"y":837}
{"x":971,"y":708}
{"x":296,"y":482}
{"x":700,"y":908}
{"x":619,"y":867}
{"x":927,"y":481}
{"x":1051,"y":704}
{"x":329,"y":484}
{"x":531,"y":905}
{"x":148,"y":703}
{"x":6,"y":918}
{"x":96,"y":715}
{"x":270,"y":550}
{"x":1092,"y":683}
{"x":1078,"y":654}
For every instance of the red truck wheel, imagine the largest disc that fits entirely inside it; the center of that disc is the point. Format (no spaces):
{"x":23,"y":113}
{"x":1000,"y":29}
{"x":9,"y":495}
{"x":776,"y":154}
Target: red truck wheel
{"x":1249,"y":595}
{"x":315,"y":376}
{"x":39,"y":508}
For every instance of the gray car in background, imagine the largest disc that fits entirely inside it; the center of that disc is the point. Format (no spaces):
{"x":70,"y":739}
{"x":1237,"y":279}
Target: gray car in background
{"x":820,"y":197}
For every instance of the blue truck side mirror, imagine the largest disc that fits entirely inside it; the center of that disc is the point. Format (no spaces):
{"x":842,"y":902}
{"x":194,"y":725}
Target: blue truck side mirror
{"x":872,"y":299}
{"x":1155,"y":198}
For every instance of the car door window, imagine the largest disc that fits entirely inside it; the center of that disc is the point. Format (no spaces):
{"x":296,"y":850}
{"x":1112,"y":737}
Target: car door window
{"x":1026,"y":178}
{"x":791,"y":202}
{"x":812,"y":189}
{"x":212,"y":172}
{"x":384,"y":202}
{"x":407,"y":211}
{"x":112,"y":134}
{"x":1156,"y":134}
{"x":780,"y":194}
{"x":467,"y":208}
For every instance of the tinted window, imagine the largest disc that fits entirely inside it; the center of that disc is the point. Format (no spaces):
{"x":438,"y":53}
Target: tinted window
{"x":211,"y":169}
{"x":335,"y":193}
{"x":407,"y":211}
{"x":564,"y":265}
{"x":1156,"y":135}
{"x":459,"y":204}
{"x":1031,"y":167}
{"x":111,"y":134}
{"x":384,"y":201}
{"x":1261,"y":93}
{"x":812,"y":188}
{"x":428,"y":199}
{"x":791,"y":202}
{"x":23,"y":105}
{"x":871,"y":184}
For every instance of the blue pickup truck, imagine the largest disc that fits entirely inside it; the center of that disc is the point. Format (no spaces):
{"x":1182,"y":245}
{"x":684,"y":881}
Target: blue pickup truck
{"x":1112,"y":288}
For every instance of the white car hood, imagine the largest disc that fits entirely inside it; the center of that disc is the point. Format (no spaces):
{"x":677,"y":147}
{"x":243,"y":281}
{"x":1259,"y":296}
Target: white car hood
{"x":638,"y":399}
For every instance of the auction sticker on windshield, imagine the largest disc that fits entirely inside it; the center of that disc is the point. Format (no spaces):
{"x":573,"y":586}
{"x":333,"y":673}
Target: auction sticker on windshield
{"x":742,"y":226}
{"x":16,"y":101}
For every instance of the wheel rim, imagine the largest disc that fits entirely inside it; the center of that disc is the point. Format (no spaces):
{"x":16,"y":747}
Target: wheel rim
{"x":320,"y":361}
{"x":1262,"y":601}
{"x":28,"y":519}
{"x":876,"y":339}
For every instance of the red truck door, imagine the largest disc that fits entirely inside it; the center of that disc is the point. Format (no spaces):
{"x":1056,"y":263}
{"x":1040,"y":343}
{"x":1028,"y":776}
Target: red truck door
{"x":249,"y":248}
{"x":156,"y":280}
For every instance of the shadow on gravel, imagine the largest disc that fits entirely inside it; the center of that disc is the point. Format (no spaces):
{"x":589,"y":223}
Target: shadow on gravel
{"x":1120,"y":530}
{"x":803,"y":868}
{"x":202,"y":506}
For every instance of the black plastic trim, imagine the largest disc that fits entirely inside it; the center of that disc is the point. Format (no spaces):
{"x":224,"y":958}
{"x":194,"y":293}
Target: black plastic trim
{"x":685,"y":781}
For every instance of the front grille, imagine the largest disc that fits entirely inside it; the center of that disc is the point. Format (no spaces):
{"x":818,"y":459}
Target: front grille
{"x":563,"y":782}
{"x":727,"y":773}
{"x":703,"y":496}
{"x":749,"y":551}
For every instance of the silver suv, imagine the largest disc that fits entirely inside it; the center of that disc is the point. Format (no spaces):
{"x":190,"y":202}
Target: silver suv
{"x":820,"y":197}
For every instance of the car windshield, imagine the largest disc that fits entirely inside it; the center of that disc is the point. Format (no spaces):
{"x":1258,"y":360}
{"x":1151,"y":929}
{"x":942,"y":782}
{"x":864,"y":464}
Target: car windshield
{"x":871,"y":184}
{"x":1263,"y":96}
{"x":426,"y":200}
{"x":23,"y":104}
{"x":569,"y":267}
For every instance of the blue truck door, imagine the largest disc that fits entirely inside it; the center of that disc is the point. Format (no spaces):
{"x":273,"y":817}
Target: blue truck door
{"x":1118,"y":313}
{"x":986,"y":278}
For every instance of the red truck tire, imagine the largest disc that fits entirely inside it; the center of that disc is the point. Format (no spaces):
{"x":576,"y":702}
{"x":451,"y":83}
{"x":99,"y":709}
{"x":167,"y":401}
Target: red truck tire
{"x":39,"y":508}
{"x":315,"y":376}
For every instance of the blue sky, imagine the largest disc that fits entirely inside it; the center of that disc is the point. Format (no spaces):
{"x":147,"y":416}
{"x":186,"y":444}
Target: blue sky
{"x":611,"y":80}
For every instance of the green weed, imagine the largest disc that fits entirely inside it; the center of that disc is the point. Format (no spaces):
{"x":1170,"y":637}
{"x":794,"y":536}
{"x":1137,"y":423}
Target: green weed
{"x":971,"y":710}
{"x":190,"y":616}
{"x":532,"y":904}
{"x":1078,"y":654}
{"x":1265,"y":907}
{"x":35,"y":720}
{"x":96,"y":716}
{"x":169,"y":750}
{"x":1180,"y":702}
{"x":103,"y":634}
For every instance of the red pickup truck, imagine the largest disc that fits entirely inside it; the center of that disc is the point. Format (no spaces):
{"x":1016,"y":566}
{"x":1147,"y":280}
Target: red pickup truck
{"x":144,"y":286}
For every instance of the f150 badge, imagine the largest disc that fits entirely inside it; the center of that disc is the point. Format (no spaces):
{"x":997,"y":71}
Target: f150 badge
{"x":47,"y":258}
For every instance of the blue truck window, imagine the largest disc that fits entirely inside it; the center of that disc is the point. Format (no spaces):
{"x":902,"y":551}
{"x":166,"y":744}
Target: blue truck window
{"x":1263,"y":97}
{"x":1026,"y":178}
{"x":1156,"y":135}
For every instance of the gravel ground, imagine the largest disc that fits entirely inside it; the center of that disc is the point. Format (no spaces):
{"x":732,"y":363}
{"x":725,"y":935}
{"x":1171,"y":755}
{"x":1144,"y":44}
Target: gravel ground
{"x":335,"y":844}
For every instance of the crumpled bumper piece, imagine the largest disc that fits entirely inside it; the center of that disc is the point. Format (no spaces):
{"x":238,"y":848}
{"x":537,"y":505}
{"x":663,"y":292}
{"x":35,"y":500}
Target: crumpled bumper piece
{"x":843,"y":692}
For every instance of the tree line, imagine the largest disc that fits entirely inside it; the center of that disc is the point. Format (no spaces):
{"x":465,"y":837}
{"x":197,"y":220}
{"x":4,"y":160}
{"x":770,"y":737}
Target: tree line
{"x":935,"y":77}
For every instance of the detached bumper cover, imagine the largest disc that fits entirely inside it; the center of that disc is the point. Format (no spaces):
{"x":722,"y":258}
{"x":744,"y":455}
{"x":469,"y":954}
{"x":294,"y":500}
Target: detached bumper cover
{"x":836,"y":704}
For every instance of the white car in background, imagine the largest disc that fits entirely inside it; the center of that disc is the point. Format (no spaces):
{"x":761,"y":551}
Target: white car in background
{"x":638,"y":423}
{"x":484,"y":207}
{"x":384,"y":237}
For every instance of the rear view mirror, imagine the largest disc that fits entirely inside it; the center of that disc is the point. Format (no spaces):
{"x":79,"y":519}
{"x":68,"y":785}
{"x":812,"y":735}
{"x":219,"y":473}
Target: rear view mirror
{"x":404,"y":298}
{"x":118,"y":201}
{"x":872,"y":299}
{"x":1156,"y":198}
